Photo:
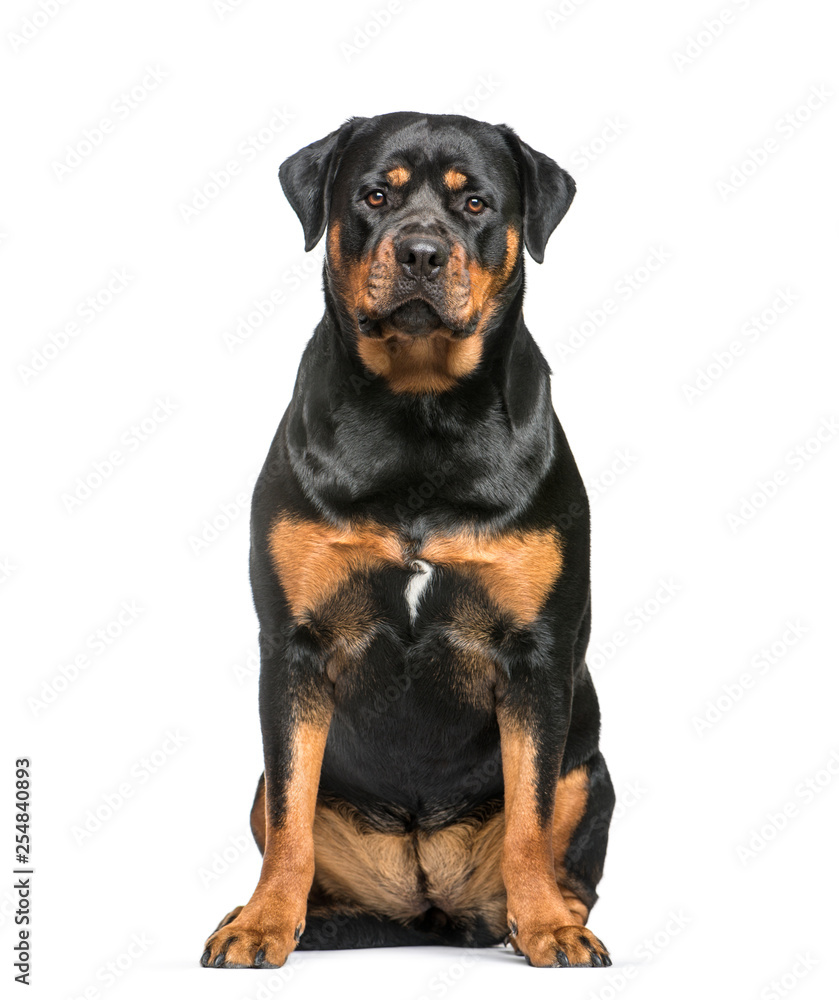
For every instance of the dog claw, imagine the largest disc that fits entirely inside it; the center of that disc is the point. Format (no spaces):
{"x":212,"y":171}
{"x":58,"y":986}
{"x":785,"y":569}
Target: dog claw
{"x":205,"y":958}
{"x":562,"y":959}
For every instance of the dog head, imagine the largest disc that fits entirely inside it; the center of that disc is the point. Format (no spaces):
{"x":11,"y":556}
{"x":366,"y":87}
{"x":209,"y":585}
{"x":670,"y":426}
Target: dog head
{"x":426,"y":218}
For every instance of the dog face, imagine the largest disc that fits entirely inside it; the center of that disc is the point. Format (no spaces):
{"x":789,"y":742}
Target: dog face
{"x":426,"y":217}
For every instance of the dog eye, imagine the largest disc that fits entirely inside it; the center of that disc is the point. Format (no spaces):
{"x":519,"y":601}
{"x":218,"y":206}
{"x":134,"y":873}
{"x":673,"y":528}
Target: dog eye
{"x":376,"y":198}
{"x":475,"y":205}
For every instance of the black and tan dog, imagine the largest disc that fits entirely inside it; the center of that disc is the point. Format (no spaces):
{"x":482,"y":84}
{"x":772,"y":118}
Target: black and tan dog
{"x":420,"y":568}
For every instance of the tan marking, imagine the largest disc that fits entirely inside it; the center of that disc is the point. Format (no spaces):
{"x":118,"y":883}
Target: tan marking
{"x":345,"y":625}
{"x":357,"y":865}
{"x":258,"y":817}
{"x":400,"y":875}
{"x":511,"y":253}
{"x":473,"y":675}
{"x":462,"y":867}
{"x":471,"y":635}
{"x":473,"y":625}
{"x":276,"y":912}
{"x":360,"y":283}
{"x":230,"y":917}
{"x":431,"y":363}
{"x":485,"y":283}
{"x":455,"y":180}
{"x":518,"y":569}
{"x":333,"y":242}
{"x":576,"y":907}
{"x":398,"y":176}
{"x":569,"y":809}
{"x":314,"y":559}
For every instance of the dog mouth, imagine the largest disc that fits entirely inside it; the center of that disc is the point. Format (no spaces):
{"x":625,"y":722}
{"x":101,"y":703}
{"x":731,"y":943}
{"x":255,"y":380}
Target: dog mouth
{"x":415,"y":318}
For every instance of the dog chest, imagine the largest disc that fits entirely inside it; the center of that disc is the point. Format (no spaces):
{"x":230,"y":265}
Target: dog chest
{"x":316,"y":562}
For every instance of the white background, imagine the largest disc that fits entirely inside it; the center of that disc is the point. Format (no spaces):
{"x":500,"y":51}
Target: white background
{"x":687,"y":907}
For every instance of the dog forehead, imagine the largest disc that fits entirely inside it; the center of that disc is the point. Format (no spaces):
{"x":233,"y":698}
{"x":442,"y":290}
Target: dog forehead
{"x":427,"y":145}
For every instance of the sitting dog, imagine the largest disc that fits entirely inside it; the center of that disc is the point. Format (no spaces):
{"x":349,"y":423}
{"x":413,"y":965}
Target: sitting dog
{"x":420,"y":568}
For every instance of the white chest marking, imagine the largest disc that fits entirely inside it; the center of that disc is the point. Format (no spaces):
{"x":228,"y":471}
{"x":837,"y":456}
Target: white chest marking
{"x":417,"y":584}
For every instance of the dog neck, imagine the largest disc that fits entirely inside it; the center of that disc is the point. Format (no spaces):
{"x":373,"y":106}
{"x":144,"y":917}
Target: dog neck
{"x":346,"y":426}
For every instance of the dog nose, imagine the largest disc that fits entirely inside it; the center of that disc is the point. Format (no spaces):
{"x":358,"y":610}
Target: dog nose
{"x":421,"y":257}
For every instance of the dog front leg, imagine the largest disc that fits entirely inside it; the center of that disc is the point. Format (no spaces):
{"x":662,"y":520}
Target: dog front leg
{"x":295,"y":712}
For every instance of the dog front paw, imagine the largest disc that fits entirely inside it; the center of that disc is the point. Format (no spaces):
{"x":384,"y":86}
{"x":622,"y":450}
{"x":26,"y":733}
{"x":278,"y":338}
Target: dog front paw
{"x":559,"y":947}
{"x":250,"y":938}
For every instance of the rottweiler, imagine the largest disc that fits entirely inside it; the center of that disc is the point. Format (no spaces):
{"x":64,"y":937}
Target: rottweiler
{"x":420,"y":569}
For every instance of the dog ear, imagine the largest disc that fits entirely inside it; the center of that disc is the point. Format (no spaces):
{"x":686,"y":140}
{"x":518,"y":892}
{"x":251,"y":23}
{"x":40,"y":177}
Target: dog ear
{"x":547,"y":193}
{"x":307,"y":178}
